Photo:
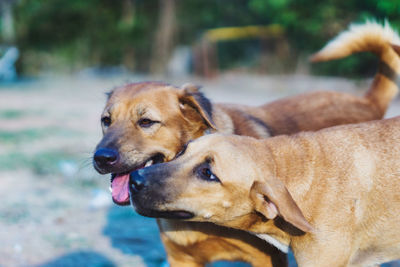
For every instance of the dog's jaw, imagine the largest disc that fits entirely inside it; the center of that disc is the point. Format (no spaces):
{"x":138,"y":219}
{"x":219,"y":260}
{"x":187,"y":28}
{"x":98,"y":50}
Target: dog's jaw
{"x":169,"y":214}
{"x":273,"y":241}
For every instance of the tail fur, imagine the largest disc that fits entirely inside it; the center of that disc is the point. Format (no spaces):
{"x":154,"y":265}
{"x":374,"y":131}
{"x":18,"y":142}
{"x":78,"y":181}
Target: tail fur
{"x":382,"y":40}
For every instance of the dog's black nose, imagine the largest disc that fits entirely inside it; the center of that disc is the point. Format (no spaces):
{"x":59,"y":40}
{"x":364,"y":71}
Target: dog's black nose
{"x":105,"y":157}
{"x":137,"y":181}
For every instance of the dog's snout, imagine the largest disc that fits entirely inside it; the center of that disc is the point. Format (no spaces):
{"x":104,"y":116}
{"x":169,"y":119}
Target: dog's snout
{"x":105,"y":157}
{"x":137,"y":181}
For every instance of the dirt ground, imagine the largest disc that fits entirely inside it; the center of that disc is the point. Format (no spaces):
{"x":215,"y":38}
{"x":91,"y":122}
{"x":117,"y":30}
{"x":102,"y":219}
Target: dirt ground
{"x":55,"y":209}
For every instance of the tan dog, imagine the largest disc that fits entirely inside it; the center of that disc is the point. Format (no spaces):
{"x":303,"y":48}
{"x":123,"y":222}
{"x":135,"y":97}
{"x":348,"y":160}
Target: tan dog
{"x":148,"y":123}
{"x":332,"y":196}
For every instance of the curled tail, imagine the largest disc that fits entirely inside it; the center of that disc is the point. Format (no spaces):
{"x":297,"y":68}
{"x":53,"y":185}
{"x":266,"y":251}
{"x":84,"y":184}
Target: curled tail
{"x":382,"y":40}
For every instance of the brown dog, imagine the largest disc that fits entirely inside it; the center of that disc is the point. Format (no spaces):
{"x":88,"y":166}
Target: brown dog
{"x":332,"y":196}
{"x":148,"y":123}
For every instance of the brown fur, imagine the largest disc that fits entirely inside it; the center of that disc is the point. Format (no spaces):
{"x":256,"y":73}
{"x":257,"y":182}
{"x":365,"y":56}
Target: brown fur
{"x":331,"y":195}
{"x":184,"y":115}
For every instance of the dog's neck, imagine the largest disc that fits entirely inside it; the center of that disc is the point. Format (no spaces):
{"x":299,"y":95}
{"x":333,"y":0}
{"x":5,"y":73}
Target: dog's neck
{"x":223,"y":121}
{"x":289,"y":160}
{"x":239,"y":121}
{"x":256,"y":224}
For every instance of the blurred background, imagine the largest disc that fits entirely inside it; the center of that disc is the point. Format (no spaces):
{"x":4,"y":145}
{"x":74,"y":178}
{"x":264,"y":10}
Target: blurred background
{"x":59,"y":57}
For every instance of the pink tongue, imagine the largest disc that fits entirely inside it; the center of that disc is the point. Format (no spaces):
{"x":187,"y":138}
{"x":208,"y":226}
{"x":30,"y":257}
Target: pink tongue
{"x":120,"y":189}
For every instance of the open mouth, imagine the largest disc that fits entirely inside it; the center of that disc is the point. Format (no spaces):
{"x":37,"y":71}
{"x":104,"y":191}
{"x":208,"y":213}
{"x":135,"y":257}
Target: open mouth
{"x":120,"y":181}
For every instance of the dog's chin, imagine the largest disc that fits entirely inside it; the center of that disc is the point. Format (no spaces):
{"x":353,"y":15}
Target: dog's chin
{"x":171,"y":214}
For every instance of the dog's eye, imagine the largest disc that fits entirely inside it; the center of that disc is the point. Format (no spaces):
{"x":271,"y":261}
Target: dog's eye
{"x":206,"y":174}
{"x":106,"y":121}
{"x":145,"y":123}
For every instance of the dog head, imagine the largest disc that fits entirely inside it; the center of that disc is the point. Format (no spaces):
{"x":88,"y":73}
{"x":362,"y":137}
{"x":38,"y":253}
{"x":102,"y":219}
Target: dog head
{"x":144,"y":124}
{"x":227,"y":180}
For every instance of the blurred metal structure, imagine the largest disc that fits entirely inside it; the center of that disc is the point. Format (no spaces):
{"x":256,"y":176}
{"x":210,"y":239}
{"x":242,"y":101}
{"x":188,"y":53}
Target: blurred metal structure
{"x":205,"y":59}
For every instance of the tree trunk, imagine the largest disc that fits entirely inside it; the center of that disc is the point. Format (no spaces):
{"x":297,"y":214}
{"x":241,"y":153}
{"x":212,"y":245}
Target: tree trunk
{"x":128,"y":19}
{"x":128,"y":12}
{"x":163,"y":43}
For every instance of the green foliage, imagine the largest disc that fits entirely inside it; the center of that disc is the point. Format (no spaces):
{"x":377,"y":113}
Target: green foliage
{"x":363,"y":65}
{"x":98,"y":32}
{"x":91,"y":31}
{"x":311,"y":23}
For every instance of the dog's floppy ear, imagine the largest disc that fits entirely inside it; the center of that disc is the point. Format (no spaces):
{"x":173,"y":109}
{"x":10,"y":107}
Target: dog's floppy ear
{"x":272,"y":199}
{"x":191,"y":99}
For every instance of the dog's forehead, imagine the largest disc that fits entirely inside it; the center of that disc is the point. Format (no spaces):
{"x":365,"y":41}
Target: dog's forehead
{"x":132,"y":90}
{"x":225,"y":149}
{"x":159,"y":97}
{"x":215,"y":144}
{"x":148,"y":99}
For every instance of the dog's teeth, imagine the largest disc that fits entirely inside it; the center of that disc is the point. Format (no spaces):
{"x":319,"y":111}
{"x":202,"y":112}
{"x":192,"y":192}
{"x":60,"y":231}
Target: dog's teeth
{"x":110,"y":188}
{"x":149,"y":163}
